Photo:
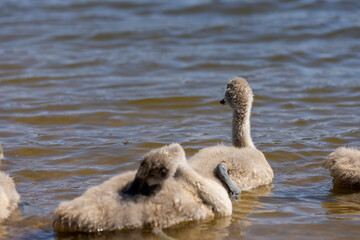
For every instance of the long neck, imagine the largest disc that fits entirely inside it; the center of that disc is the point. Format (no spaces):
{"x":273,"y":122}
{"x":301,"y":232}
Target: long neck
{"x":241,"y":136}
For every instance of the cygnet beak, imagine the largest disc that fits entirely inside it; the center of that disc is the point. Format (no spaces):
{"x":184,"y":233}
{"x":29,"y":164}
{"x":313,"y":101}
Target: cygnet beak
{"x":223,"y":102}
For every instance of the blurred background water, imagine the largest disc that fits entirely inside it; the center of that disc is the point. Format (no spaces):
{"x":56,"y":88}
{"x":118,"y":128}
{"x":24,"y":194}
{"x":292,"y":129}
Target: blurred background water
{"x":88,"y":87}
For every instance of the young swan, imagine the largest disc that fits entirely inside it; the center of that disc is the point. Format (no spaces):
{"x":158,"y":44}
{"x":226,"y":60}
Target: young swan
{"x":246,"y":165}
{"x":344,"y":166}
{"x":9,"y":198}
{"x":164,"y":191}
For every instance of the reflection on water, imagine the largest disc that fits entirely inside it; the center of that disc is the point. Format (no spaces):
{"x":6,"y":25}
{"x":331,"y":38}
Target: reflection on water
{"x":344,"y":204}
{"x":88,"y":87}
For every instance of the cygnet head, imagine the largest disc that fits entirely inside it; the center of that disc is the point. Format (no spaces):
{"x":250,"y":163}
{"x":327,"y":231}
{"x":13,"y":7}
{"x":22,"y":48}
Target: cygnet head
{"x":160,"y":164}
{"x":156,"y":166}
{"x":238,"y":94}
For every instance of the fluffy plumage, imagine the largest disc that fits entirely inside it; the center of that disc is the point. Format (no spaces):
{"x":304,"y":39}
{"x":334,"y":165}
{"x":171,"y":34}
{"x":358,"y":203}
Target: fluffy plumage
{"x":247,"y":166}
{"x":344,"y":166}
{"x":9,"y":197}
{"x":163,"y":192}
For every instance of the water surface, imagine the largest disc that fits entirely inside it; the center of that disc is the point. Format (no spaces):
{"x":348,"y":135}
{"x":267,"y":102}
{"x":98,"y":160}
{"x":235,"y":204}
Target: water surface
{"x":88,"y":87}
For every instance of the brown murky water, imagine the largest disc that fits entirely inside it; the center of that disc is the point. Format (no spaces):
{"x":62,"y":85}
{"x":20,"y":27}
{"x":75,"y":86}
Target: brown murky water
{"x":88,"y":87}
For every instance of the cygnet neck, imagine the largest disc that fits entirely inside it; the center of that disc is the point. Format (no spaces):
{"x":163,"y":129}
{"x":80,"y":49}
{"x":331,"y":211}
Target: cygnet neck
{"x":241,"y":134}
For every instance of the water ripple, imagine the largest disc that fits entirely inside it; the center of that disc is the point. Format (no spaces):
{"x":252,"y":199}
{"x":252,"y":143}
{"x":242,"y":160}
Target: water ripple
{"x":88,"y":87}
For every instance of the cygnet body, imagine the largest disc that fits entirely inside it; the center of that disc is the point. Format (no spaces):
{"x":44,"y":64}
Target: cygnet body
{"x":246,"y":165}
{"x":344,"y":166}
{"x":163,"y":192}
{"x":9,"y":197}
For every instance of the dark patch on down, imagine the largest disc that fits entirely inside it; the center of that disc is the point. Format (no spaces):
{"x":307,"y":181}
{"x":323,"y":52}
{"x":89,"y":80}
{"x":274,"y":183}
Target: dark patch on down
{"x":140,"y":187}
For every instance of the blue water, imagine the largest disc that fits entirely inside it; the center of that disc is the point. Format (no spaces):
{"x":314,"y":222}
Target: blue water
{"x":88,"y":87}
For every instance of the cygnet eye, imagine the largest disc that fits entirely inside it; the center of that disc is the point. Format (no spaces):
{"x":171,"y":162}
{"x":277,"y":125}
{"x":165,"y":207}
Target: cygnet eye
{"x":163,"y":171}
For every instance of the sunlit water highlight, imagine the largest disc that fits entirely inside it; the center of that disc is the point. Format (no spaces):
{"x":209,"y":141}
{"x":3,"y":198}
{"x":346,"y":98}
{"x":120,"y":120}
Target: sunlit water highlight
{"x":88,"y":87}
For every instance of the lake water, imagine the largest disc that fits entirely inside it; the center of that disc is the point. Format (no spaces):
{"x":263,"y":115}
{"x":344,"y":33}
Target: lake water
{"x":88,"y":87}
